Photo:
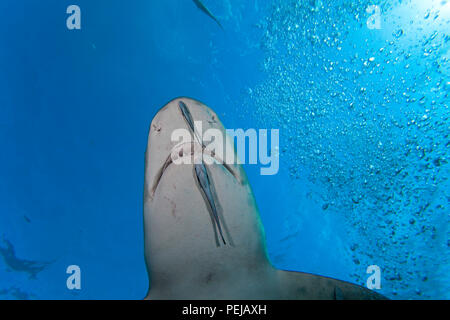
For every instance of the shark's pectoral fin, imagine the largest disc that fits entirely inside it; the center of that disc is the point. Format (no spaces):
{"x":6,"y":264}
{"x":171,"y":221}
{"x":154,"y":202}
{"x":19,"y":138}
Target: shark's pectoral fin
{"x":338,"y":295}
{"x":299,"y":285}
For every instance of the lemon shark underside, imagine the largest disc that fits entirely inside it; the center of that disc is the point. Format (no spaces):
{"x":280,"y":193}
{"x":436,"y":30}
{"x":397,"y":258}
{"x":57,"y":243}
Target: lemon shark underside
{"x":202,"y":231}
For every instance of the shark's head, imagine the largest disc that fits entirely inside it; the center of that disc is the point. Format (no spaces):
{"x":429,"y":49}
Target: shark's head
{"x":193,"y":203}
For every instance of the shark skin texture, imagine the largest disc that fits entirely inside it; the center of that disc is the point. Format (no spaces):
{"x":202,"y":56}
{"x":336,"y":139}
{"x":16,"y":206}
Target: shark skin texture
{"x":202,"y":231}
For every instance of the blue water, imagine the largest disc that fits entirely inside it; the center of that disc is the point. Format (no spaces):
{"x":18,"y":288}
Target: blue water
{"x":363,"y":118}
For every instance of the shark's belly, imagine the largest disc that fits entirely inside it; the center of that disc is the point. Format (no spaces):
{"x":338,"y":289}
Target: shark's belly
{"x":181,"y":238}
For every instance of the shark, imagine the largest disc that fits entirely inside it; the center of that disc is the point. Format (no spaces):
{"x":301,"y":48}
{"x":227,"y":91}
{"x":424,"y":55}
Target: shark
{"x":33,"y":268}
{"x":203,"y":236}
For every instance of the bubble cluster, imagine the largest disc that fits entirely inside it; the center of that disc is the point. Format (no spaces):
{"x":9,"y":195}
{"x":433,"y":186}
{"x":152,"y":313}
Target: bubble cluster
{"x":366,"y":111}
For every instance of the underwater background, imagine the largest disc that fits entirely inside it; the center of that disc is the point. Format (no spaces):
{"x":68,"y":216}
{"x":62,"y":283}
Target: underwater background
{"x":361,"y":104}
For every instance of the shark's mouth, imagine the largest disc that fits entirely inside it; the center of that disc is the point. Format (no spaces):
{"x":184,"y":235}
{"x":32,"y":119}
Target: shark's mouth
{"x":196,"y":150}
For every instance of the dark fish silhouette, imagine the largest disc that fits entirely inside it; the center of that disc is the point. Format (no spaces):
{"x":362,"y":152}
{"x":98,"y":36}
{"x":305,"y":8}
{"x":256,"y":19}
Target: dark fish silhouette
{"x":16,"y":293}
{"x":205,"y":10}
{"x":20,"y":265}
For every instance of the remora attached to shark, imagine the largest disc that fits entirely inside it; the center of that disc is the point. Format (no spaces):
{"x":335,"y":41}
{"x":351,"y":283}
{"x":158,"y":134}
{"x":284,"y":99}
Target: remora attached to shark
{"x":189,"y":207}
